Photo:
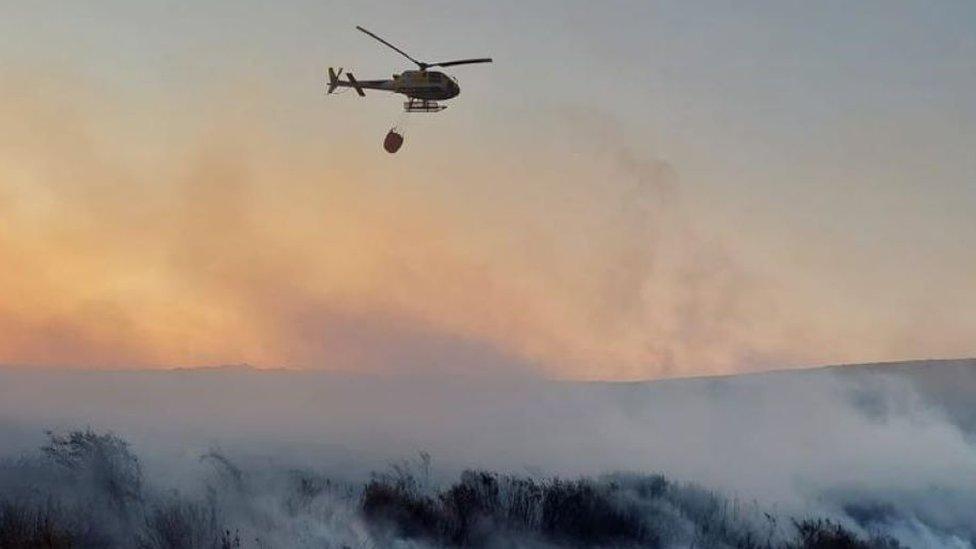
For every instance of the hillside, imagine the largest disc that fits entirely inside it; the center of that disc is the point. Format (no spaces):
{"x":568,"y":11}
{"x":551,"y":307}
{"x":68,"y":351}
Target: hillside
{"x":879,"y":447}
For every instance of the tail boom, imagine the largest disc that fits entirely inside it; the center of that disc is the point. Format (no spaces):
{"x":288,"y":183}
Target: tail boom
{"x":358,"y":85}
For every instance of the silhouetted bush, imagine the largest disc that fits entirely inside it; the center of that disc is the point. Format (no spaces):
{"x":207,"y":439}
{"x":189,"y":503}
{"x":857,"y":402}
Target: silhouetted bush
{"x":522,"y":503}
{"x":585,"y":513}
{"x":471,"y":509}
{"x":88,"y":491}
{"x":306,"y":487}
{"x":180,"y":524}
{"x":103,"y":460}
{"x":24,"y":525}
{"x":483,"y":509}
{"x":409,"y":514}
{"x":826,"y":534}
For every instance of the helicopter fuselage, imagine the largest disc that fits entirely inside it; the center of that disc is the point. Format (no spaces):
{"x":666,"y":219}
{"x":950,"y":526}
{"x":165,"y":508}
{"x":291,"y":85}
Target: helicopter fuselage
{"x":426,"y":85}
{"x":416,"y":84}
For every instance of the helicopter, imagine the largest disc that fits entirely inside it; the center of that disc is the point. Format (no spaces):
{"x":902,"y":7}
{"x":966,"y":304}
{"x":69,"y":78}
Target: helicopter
{"x":423,"y":88}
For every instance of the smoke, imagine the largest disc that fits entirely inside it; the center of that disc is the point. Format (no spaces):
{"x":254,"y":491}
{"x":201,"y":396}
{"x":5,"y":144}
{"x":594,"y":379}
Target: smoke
{"x":869,"y":450}
{"x":141,"y":235}
{"x":213,"y":238}
{"x":190,"y":256}
{"x":667,"y":286}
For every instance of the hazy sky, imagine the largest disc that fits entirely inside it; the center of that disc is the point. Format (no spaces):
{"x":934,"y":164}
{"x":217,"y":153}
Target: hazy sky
{"x":632,"y":189}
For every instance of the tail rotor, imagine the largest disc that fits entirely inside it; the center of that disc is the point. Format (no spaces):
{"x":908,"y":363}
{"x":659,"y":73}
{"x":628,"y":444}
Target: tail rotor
{"x":334,"y":79}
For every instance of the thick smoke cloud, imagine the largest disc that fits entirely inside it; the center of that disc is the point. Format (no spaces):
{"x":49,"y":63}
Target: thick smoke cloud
{"x":870,"y":449}
{"x":164,"y":234}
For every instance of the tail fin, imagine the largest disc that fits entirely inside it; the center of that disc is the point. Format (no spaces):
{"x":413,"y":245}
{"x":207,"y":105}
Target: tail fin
{"x":355,"y":84}
{"x":334,"y":79}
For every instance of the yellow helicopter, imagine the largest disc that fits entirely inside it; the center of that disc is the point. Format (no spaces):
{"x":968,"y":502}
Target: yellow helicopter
{"x":423,"y":88}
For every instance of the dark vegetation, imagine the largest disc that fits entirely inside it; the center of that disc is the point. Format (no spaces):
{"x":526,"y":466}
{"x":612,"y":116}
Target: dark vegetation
{"x":483,"y":509}
{"x":87,"y":489}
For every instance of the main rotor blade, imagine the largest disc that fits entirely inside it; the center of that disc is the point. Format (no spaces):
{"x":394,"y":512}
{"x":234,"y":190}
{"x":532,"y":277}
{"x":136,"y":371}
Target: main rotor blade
{"x":394,"y":48}
{"x":460,"y":62}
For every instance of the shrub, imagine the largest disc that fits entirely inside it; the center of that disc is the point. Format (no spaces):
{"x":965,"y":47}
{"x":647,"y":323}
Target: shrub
{"x":393,"y":505}
{"x":826,"y":534}
{"x":305,"y":487}
{"x":522,"y":503}
{"x":87,"y":491}
{"x":470,"y":508}
{"x":179,"y":524}
{"x":585,"y":513}
{"x":102,"y":460}
{"x":24,"y":525}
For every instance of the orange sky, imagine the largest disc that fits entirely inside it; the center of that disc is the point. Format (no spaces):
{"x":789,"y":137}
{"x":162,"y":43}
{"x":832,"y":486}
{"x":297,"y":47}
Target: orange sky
{"x":232,"y":247}
{"x":136,"y":233}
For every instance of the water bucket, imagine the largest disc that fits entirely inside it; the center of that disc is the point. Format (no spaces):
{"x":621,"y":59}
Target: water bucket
{"x":393,"y":141}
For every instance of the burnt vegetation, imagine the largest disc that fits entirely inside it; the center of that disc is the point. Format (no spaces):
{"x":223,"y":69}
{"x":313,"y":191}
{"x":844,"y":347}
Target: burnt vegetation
{"x":483,"y":509}
{"x":87,"y":489}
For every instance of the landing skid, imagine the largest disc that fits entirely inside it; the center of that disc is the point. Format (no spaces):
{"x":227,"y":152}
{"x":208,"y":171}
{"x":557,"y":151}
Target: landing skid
{"x":422,"y":105}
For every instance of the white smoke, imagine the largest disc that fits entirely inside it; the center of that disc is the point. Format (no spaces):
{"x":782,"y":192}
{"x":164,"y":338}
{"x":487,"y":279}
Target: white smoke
{"x":870,"y":450}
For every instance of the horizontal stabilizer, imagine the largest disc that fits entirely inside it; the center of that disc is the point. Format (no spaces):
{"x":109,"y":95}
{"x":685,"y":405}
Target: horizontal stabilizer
{"x":355,"y":84}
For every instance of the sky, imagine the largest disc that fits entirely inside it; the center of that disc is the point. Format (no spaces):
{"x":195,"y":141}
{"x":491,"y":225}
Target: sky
{"x":631,"y":190}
